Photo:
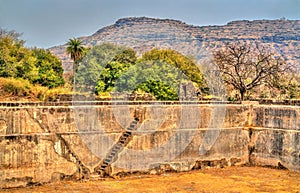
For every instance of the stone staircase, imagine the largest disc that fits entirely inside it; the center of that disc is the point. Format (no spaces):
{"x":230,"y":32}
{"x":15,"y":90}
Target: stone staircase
{"x":112,"y":155}
{"x":84,"y":172}
{"x":67,"y":152}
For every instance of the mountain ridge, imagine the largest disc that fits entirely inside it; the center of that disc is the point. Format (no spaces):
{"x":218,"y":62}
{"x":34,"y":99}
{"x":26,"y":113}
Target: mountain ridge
{"x":144,"y":33}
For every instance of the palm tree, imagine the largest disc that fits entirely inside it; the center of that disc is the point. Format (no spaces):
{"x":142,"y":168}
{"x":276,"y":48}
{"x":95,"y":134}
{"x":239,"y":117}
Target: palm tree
{"x":76,"y":50}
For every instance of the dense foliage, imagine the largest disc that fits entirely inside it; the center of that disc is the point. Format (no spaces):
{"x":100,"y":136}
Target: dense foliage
{"x":113,"y":68}
{"x":38,"y":66}
{"x":163,"y":72}
{"x":50,"y":71}
{"x":184,"y":64}
{"x":102,"y":65}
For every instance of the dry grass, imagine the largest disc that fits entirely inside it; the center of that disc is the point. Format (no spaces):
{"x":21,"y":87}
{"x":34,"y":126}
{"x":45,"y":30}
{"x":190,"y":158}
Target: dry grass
{"x":22,"y":90}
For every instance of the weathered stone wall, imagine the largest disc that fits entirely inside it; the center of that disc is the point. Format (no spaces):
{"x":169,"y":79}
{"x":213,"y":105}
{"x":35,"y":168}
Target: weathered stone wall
{"x":40,"y":144}
{"x":275,"y":137}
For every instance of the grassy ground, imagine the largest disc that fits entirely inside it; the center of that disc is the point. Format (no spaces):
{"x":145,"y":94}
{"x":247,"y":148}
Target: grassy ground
{"x":231,"y":179}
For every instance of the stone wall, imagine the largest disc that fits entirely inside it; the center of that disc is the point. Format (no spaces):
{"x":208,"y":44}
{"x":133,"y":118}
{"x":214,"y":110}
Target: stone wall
{"x":41,"y":144}
{"x":275,"y":136}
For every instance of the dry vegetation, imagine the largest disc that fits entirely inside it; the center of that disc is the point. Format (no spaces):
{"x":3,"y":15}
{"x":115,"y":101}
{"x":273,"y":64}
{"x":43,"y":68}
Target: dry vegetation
{"x":22,"y":90}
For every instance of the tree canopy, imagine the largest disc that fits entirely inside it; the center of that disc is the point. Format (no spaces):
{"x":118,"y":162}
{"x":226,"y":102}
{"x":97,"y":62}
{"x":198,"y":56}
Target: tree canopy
{"x":50,"y":71}
{"x":36,"y":65}
{"x":161,"y":73}
{"x":102,"y":65}
{"x":76,"y":51}
{"x":187,"y":65}
{"x":113,"y":68}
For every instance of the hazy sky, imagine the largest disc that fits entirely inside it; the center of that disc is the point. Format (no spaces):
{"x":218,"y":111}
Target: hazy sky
{"x":46,"y":23}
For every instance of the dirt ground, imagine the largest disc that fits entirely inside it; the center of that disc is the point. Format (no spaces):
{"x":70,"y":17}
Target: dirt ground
{"x":231,"y":179}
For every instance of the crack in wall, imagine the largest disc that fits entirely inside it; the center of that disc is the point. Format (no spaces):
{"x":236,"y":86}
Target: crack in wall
{"x":68,"y":153}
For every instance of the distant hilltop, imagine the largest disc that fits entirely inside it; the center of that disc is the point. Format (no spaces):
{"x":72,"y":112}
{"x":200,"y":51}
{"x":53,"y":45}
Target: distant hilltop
{"x":143,"y":34}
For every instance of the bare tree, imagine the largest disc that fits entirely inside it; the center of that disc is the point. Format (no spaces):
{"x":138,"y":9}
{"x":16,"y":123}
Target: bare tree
{"x":246,"y":66}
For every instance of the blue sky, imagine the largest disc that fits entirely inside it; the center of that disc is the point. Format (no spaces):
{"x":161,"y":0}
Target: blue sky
{"x":46,"y":23}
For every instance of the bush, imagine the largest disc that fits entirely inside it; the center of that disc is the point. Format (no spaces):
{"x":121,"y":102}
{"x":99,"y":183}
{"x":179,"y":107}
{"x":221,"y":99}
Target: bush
{"x":15,"y":87}
{"x":51,"y":94}
{"x":20,"y":89}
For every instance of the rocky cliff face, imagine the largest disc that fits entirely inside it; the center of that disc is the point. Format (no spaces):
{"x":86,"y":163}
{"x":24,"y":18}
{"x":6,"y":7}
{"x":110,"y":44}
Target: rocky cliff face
{"x":143,"y":34}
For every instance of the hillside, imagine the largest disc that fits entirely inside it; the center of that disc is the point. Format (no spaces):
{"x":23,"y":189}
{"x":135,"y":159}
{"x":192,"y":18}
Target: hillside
{"x":143,"y":34}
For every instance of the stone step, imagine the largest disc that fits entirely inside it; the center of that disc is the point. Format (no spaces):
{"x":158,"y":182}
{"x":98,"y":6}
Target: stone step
{"x":122,"y":142}
{"x":116,"y":147}
{"x":104,"y":164}
{"x":114,"y":152}
{"x":123,"y":138}
{"x":132,"y":125}
{"x":107,"y":160}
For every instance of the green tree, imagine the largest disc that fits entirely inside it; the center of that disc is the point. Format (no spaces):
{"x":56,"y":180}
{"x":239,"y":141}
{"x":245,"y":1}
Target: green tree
{"x":115,"y":68}
{"x":158,"y":78}
{"x":50,"y":71}
{"x":102,"y":66}
{"x":109,"y":68}
{"x":15,"y":60}
{"x":185,"y":64}
{"x":36,"y":65}
{"x":13,"y":35}
{"x":167,"y":71}
{"x":76,"y":51}
{"x":160,"y":73}
{"x":288,"y":86}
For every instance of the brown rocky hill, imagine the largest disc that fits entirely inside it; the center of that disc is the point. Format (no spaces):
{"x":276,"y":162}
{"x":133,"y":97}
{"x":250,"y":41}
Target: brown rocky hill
{"x":143,"y":34}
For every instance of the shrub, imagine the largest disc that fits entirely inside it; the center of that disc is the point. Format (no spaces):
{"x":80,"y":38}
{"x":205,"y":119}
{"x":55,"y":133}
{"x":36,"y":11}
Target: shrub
{"x":15,"y":87}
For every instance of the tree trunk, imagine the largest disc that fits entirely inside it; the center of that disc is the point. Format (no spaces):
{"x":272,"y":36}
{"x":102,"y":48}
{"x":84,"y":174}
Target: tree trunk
{"x":242,"y":93}
{"x":75,"y":65}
